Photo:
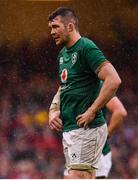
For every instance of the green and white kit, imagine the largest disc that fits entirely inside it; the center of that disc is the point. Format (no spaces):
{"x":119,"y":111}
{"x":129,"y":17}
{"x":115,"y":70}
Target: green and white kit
{"x":80,"y":84}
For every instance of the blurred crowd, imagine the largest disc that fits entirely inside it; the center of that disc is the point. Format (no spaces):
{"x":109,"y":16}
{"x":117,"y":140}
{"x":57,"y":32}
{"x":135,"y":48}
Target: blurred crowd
{"x":28,"y":148}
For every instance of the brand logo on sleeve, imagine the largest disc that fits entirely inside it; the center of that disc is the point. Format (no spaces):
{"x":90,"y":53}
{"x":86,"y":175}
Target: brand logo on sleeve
{"x":61,"y":60}
{"x":64,"y":75}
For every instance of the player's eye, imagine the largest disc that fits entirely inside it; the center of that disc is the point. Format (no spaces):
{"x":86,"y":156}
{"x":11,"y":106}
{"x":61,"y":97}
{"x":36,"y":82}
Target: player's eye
{"x":55,"y":26}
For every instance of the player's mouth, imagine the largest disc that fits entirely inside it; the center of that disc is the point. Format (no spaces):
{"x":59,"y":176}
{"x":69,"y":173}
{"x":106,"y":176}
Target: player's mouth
{"x":56,"y":38}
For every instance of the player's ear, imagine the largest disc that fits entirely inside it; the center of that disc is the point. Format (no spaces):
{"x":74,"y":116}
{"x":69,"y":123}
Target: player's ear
{"x":70,"y":27}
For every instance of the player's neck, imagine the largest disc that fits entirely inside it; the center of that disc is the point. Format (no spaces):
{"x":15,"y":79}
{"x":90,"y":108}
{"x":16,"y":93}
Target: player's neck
{"x":73,"y":39}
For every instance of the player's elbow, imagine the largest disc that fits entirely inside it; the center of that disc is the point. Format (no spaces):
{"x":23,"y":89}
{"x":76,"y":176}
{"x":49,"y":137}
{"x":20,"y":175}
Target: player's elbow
{"x":117,"y":82}
{"x":122,"y":113}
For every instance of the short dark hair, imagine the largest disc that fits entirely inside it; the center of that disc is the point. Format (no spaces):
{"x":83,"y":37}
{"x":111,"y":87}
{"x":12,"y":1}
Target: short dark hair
{"x":66,"y":13}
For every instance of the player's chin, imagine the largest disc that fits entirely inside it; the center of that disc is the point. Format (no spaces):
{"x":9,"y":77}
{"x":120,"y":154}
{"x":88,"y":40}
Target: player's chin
{"x":58,"y":42}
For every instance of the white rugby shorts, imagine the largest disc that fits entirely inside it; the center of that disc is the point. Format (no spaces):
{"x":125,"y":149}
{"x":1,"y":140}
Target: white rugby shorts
{"x":83,"y":147}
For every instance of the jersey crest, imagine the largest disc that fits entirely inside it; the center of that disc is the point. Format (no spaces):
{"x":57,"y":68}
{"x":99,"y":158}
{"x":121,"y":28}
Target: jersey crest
{"x":64,"y":75}
{"x":74,"y":58}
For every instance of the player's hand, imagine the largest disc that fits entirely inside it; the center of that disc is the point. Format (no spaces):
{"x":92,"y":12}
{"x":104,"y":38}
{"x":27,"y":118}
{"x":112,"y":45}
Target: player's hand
{"x":55,"y":122}
{"x":84,"y":119}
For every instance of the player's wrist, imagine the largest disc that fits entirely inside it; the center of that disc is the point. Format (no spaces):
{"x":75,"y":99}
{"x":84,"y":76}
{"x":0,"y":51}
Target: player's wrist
{"x":54,"y":107}
{"x":92,"y":109}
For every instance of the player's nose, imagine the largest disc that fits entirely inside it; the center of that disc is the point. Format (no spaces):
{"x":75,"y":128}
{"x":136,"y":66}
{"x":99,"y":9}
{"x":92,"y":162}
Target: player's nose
{"x":52,"y":32}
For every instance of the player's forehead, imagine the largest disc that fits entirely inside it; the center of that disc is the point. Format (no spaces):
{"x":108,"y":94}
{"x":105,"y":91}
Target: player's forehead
{"x":56,"y":20}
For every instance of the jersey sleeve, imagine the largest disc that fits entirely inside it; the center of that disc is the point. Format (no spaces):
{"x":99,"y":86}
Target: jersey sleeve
{"x":94,"y":56}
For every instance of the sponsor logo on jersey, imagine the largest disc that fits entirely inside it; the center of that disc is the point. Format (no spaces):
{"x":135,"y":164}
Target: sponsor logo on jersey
{"x":65,"y":87}
{"x":74,"y":58}
{"x":64,"y":75}
{"x":61,"y":60}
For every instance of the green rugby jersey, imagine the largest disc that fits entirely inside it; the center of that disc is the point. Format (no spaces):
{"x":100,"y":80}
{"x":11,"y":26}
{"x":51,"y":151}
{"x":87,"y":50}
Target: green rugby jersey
{"x":106,"y":148}
{"x":80,"y":84}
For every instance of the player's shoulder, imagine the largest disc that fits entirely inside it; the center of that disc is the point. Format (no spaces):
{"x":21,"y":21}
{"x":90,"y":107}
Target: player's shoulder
{"x":88,"y":42}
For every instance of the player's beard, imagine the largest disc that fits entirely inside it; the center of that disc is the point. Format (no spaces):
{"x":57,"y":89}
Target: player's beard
{"x":66,"y":42}
{"x":61,"y":42}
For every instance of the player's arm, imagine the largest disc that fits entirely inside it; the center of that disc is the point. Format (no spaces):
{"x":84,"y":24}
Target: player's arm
{"x":55,"y":122}
{"x":118,"y":113}
{"x":55,"y":104}
{"x":111,"y":81}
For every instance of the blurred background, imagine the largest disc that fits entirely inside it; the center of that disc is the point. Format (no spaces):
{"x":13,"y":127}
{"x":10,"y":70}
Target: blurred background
{"x":29,"y":80}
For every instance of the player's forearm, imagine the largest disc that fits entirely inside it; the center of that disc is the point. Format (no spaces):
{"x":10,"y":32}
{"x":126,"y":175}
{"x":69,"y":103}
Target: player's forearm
{"x":55,"y":122}
{"x":117,"y":118}
{"x":115,"y":122}
{"x":55,"y":105}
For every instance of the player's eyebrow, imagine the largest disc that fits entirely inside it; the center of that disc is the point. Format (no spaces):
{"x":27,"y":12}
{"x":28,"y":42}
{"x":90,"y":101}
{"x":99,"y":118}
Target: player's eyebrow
{"x":54,"y":25}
